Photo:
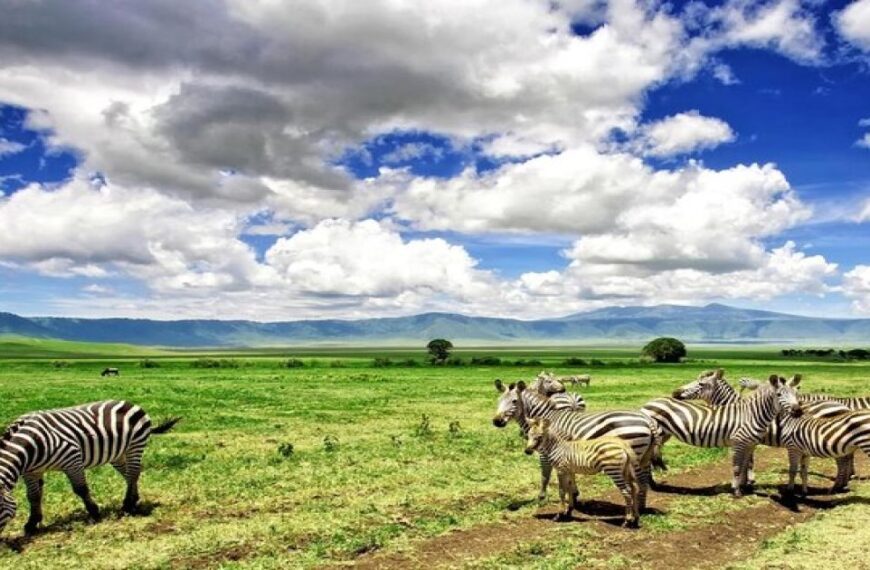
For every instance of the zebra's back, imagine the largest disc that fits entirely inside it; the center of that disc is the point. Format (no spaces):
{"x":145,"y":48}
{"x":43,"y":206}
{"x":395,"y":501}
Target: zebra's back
{"x":102,"y":431}
{"x":631,"y":427}
{"x":694,"y":422}
{"x":829,"y":437}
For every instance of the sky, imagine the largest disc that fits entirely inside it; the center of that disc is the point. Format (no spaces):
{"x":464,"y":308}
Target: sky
{"x":251,"y":159}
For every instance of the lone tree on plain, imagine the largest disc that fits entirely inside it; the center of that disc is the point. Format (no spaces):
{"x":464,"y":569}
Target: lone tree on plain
{"x":439,"y":350}
{"x":665,"y":349}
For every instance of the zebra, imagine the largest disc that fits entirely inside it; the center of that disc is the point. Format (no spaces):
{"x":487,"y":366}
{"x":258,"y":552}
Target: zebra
{"x":637,"y":428}
{"x":835,"y":437}
{"x":584,"y":379}
{"x":561,"y":401}
{"x":817,"y":406}
{"x":72,"y":440}
{"x":609,"y":455}
{"x":110,"y":372}
{"x":740,"y":425}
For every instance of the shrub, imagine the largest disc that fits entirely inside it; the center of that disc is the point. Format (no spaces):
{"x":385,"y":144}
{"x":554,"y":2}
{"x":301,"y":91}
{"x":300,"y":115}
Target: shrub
{"x":214,"y":363}
{"x":485,"y":361}
{"x":665,"y":349}
{"x":424,"y":428}
{"x":60,"y":364}
{"x":293,"y":363}
{"x":330,"y":443}
{"x":286,"y":449}
{"x":409,"y":362}
{"x":529,"y":362}
{"x":454,"y":429}
{"x":382,"y":362}
{"x":148,"y":363}
{"x":573,"y":361}
{"x":454,"y":361}
{"x":596,"y":362}
{"x":337,"y":364}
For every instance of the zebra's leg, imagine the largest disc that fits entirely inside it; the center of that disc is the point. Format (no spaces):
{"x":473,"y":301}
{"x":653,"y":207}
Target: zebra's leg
{"x":644,"y":476}
{"x":794,"y":458}
{"x":845,"y":466}
{"x":805,"y":471}
{"x":133,"y":468}
{"x":546,"y":473}
{"x":750,"y":470}
{"x":739,"y":465}
{"x":618,"y":474}
{"x":35,"y":484}
{"x":567,"y":494}
{"x":76,"y":476}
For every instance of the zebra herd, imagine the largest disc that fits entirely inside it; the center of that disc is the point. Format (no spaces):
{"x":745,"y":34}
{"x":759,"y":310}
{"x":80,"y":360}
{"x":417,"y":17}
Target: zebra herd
{"x":72,"y":440}
{"x":706,"y":412}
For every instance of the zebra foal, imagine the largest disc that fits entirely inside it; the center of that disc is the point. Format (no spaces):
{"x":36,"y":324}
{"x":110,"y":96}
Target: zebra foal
{"x":609,"y":455}
{"x":72,"y":440}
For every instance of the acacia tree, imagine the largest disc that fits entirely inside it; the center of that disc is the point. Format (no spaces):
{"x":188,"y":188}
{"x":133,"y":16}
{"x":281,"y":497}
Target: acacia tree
{"x":665,"y":349}
{"x":439,"y":350}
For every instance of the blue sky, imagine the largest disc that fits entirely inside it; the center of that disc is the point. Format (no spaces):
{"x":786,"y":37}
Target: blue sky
{"x":563,"y":158}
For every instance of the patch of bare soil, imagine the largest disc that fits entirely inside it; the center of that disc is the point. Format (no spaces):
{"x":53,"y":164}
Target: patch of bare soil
{"x":733,"y":537}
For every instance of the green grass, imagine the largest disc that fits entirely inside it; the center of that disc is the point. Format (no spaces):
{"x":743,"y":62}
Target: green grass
{"x":364,"y":473}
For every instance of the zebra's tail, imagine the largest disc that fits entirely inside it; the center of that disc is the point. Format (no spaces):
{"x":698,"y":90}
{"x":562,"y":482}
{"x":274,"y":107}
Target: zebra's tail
{"x":165,"y":426}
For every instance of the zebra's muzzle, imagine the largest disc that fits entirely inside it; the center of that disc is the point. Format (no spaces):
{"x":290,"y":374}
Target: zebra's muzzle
{"x":797,"y":411}
{"x":499,"y":422}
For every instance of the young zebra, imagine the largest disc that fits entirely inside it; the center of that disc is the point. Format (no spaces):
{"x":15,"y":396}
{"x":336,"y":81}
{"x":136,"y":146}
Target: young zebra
{"x":831,"y":437}
{"x":740,"y":425}
{"x":561,"y":401}
{"x":609,"y":455}
{"x":519,"y":404}
{"x":72,"y":440}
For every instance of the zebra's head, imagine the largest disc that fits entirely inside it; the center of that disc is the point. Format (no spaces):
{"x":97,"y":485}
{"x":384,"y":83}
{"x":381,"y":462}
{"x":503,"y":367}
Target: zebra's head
{"x":510,"y":403}
{"x":547,"y":384}
{"x":702,"y":386}
{"x":786,"y":394}
{"x":8,"y":506}
{"x":538,"y":428}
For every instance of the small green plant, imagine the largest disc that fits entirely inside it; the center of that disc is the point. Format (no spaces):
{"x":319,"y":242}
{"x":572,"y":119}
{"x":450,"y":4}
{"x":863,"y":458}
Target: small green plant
{"x":454,"y":361}
{"x":330,"y":443}
{"x":148,"y":363}
{"x":424,"y":428}
{"x":293,"y":363}
{"x":454,"y":429}
{"x":409,"y":363}
{"x":396,"y":440}
{"x":286,"y":449}
{"x":381,"y":362}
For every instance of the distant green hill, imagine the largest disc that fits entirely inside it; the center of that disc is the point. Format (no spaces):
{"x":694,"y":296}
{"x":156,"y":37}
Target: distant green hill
{"x":710,"y":323}
{"x":12,"y":346}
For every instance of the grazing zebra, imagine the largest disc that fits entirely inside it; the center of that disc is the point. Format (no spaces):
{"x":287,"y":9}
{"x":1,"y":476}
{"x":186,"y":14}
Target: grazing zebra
{"x":740,"y":425}
{"x":638,"y":429}
{"x":72,"y":440}
{"x":609,"y":455}
{"x":110,"y":372}
{"x":580,"y":379}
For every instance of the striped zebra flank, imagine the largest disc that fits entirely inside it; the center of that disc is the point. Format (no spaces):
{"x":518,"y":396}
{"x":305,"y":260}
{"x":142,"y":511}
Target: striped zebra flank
{"x":609,"y":455}
{"x":72,"y":440}
{"x":635,"y":427}
{"x":741,"y":424}
{"x":855,"y":403}
{"x":836,"y":437}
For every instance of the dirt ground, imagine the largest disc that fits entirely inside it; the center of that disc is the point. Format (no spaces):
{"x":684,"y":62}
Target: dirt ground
{"x":732,"y":537}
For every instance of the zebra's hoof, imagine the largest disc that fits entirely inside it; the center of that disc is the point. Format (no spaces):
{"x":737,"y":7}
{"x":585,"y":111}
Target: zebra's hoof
{"x":31,"y":529}
{"x":632,"y":523}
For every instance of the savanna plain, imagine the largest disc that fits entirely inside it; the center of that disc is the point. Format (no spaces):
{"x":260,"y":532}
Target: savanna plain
{"x":373,"y":458}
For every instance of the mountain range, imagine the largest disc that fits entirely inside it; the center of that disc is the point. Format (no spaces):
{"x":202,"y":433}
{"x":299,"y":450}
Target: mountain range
{"x":710,"y":323}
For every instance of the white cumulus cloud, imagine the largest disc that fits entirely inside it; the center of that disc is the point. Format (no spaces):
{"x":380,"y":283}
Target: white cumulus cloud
{"x":853,"y":23}
{"x":683,"y":133}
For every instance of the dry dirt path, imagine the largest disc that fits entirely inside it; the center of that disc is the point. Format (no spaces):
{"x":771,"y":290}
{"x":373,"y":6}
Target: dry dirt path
{"x":733,"y":537}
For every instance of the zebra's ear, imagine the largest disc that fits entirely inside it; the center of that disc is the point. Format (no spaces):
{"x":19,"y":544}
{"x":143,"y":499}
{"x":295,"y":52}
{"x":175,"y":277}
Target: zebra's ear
{"x":521,"y":386}
{"x":774,"y":380}
{"x":795,"y":380}
{"x":719,"y":373}
{"x":499,"y":386}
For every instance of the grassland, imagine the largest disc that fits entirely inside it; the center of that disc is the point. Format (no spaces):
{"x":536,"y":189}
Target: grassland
{"x":339,"y":463}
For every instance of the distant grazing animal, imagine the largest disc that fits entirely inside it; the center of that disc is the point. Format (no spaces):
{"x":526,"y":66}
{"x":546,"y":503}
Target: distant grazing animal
{"x":609,"y":455}
{"x":110,"y":372}
{"x":72,"y":440}
{"x":519,"y":404}
{"x":580,"y":379}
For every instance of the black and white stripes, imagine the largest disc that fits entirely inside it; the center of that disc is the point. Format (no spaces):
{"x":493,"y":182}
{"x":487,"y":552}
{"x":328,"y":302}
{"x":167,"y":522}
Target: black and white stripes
{"x":72,"y":440}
